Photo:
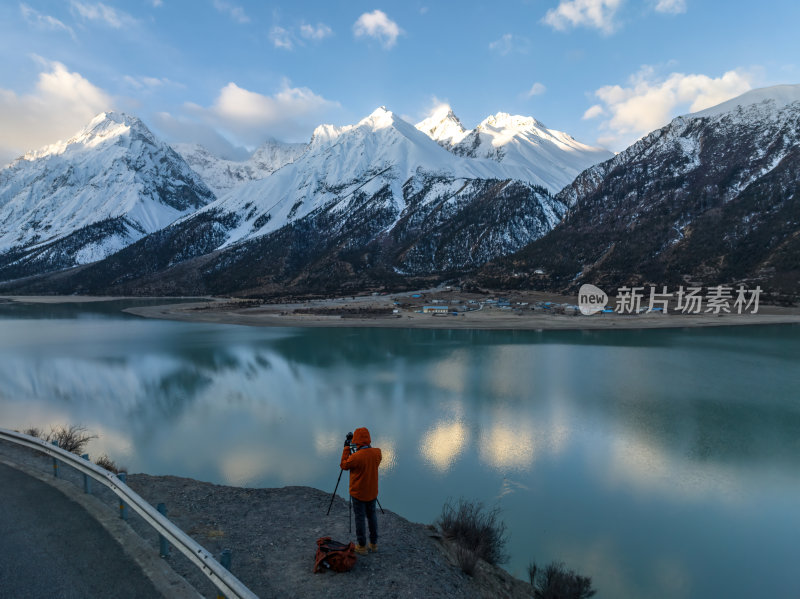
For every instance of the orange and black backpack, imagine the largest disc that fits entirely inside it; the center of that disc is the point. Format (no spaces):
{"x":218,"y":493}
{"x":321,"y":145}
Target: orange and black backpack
{"x":333,"y":555}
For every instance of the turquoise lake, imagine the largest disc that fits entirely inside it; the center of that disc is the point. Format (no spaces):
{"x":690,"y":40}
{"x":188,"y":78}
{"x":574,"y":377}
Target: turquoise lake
{"x":662,"y":463}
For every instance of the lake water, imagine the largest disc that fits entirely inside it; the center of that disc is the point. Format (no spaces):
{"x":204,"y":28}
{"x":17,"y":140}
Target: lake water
{"x":663,"y":464}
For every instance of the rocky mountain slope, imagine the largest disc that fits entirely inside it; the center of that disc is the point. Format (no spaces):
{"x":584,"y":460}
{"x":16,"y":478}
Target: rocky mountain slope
{"x":522,"y":147}
{"x":80,"y":200}
{"x":711,"y":198}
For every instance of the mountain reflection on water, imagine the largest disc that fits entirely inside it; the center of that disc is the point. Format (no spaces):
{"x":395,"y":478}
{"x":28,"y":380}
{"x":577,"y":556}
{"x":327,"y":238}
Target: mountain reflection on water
{"x":661,"y":463}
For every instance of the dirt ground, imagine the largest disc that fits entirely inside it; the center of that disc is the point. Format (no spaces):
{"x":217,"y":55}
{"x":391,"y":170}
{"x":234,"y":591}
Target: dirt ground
{"x":272,"y":536}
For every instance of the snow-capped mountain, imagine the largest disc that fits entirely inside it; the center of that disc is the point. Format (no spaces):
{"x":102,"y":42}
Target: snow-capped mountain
{"x":712,"y":198}
{"x":77,"y":201}
{"x":223,"y":175}
{"x":523,"y":147}
{"x":379,"y":196}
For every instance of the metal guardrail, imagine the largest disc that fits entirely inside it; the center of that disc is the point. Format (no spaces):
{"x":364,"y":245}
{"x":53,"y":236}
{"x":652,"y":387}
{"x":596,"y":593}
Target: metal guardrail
{"x":220,"y":577}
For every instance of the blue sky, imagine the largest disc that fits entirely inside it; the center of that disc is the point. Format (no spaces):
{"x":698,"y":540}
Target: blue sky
{"x":230,"y":73}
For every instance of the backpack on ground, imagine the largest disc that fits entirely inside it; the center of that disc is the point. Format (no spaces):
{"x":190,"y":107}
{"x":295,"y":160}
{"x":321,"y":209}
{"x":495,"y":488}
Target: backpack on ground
{"x":333,"y":555}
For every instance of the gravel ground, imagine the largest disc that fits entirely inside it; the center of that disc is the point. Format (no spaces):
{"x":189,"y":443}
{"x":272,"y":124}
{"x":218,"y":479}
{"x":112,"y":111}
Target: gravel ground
{"x":272,"y":536}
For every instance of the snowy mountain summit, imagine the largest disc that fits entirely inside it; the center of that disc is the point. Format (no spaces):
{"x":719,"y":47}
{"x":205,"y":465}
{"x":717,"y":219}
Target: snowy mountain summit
{"x":523,"y":147}
{"x":222,"y":175}
{"x":79,"y":200}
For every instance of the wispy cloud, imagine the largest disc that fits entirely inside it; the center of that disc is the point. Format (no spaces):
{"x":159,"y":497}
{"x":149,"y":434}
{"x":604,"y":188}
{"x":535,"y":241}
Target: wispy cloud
{"x":61,"y":103}
{"x":315,"y":32}
{"x":509,"y":43}
{"x":377,"y":25}
{"x":671,"y":6}
{"x":595,"y":14}
{"x":43,"y":21}
{"x":537,"y":89}
{"x":234,"y":11}
{"x":102,"y":13}
{"x":281,"y":38}
{"x":148,"y":83}
{"x":250,"y":117}
{"x":649,"y":101}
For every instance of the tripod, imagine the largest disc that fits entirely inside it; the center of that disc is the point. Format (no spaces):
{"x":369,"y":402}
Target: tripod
{"x":350,"y":510}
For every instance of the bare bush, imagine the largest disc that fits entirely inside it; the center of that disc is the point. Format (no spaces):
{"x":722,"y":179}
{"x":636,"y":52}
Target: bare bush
{"x":73,"y":438}
{"x":106,"y":462}
{"x":475,"y":528}
{"x":467,"y":559}
{"x":554,"y":581}
{"x":34,"y":432}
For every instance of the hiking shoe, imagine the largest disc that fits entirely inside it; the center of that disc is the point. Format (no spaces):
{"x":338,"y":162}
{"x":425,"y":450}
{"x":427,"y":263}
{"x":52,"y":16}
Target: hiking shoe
{"x":361,"y":549}
{"x":373,"y":547}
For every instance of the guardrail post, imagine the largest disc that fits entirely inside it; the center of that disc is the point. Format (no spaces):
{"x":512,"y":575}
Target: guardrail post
{"x":123,"y":508}
{"x":87,"y":480}
{"x":55,"y":461}
{"x":162,"y":541}
{"x":225,"y":561}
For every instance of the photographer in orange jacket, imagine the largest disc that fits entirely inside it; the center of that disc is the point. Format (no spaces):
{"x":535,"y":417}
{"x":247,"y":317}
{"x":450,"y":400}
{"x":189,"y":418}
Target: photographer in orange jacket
{"x":362,"y":460}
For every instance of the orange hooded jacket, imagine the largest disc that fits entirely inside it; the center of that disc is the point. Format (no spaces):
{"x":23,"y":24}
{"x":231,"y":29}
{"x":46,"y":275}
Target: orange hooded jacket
{"x":363,"y":466}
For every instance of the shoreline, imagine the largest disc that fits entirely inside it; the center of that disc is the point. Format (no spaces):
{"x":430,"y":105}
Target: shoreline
{"x":371,"y":311}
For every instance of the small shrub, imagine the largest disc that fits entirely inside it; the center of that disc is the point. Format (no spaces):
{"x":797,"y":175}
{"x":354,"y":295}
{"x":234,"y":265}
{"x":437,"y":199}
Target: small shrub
{"x":106,"y":462}
{"x":70,"y":438}
{"x":475,"y":528}
{"x":467,"y":559}
{"x":554,"y":581}
{"x":34,"y":432}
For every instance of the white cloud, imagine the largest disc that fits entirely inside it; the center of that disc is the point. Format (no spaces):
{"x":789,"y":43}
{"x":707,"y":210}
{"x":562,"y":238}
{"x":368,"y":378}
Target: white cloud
{"x":537,"y":89}
{"x":649,"y":102}
{"x":377,"y":25}
{"x":597,"y":14}
{"x":61,"y":104}
{"x":234,"y":11}
{"x":593,"y":112}
{"x":249,"y":118}
{"x":281,"y":38}
{"x":42,"y":21}
{"x":509,"y":43}
{"x":318,"y":32}
{"x":102,"y":13}
{"x":671,"y":6}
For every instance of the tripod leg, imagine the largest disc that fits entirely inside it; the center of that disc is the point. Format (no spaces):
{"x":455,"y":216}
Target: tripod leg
{"x":380,"y":506}
{"x":334,"y":492}
{"x":350,"y":520}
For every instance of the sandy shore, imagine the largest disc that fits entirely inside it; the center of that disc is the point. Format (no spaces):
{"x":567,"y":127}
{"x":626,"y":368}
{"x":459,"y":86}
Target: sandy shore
{"x":379,"y":311}
{"x":303,"y":315}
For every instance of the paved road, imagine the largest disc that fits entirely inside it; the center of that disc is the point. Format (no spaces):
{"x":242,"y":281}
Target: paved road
{"x":50,"y":547}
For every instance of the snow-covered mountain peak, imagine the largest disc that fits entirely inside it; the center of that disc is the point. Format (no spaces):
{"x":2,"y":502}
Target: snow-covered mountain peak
{"x":443,"y":126}
{"x":102,"y":128}
{"x":504,"y":120}
{"x":82,"y":199}
{"x":222,"y":175}
{"x":526,"y":149}
{"x":326,"y":134}
{"x":769,"y":98}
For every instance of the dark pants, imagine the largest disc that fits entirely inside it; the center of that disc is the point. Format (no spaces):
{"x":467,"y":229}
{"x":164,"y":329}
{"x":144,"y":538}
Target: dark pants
{"x":361,"y":509}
